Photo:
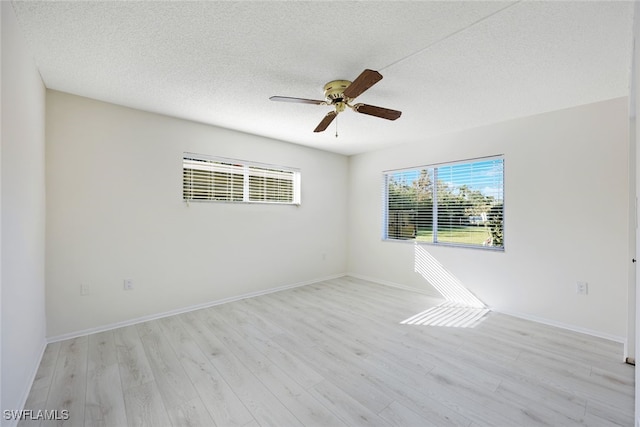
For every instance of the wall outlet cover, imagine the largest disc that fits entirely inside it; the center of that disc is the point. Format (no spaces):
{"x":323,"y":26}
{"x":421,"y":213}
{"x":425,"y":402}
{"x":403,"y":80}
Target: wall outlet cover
{"x":582,"y":288}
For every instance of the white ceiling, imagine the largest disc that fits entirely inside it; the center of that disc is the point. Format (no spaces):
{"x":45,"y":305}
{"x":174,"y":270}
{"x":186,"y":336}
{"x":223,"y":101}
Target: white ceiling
{"x":446,"y":65}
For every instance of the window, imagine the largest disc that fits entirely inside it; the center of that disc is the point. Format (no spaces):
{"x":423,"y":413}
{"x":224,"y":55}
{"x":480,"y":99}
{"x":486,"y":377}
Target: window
{"x":458,"y":203}
{"x":217,"y":179}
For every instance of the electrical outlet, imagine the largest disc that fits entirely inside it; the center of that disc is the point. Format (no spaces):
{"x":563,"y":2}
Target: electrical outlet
{"x":84,"y":289}
{"x":582,"y":288}
{"x":128,"y":284}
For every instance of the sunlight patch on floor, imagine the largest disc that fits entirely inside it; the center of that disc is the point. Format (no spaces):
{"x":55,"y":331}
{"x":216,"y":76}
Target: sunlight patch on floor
{"x":449,"y":314}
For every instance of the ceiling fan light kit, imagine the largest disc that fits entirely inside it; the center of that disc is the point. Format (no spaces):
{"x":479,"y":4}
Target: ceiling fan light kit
{"x":340,"y":94}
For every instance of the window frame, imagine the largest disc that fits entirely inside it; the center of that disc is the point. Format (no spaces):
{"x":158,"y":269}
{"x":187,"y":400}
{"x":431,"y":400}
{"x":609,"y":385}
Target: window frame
{"x":432,"y":172}
{"x":247,"y":170}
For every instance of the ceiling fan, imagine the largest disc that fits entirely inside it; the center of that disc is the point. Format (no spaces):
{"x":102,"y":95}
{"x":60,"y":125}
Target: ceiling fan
{"x":341,"y":93}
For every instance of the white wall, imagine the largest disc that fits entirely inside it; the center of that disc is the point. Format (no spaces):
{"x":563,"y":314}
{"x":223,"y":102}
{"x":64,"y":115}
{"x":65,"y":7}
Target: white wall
{"x":635,"y":102}
{"x":566,"y":217}
{"x":115,"y":211}
{"x":630,"y":348}
{"x":23,"y":215}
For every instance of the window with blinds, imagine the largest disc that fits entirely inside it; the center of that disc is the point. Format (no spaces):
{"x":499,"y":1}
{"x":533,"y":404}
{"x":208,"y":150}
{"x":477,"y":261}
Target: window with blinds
{"x":458,"y":203}
{"x":226,"y":180}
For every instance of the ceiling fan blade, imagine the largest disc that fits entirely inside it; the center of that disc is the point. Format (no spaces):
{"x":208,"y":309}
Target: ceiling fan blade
{"x":364,"y":81}
{"x":296,"y":100}
{"x":326,"y":121}
{"x":372,"y":110}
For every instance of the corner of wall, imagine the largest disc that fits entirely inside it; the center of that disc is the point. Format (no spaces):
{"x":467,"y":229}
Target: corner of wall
{"x":22,"y":245}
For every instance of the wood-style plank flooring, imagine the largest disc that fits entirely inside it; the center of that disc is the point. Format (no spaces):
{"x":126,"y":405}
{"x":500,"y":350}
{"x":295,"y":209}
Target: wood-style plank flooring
{"x":333,"y":354}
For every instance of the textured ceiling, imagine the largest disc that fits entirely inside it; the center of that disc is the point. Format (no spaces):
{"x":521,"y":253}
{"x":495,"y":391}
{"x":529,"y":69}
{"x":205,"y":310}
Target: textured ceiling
{"x":446,"y":65}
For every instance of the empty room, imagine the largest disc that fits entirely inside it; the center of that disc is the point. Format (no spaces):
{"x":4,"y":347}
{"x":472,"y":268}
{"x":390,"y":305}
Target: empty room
{"x":318,"y":213}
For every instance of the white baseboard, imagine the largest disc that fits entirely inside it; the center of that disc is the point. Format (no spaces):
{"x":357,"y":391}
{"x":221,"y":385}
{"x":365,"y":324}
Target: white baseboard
{"x":536,"y":319}
{"x":142,"y":319}
{"x":394,"y":285}
{"x":561,"y":325}
{"x":186,"y":309}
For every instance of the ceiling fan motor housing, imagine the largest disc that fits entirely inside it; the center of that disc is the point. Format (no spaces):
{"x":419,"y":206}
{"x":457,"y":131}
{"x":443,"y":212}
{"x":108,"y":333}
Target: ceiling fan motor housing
{"x":334,"y":92}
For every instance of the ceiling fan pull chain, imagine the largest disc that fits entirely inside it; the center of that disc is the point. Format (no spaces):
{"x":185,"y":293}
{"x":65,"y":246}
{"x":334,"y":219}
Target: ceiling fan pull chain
{"x":336,"y":126}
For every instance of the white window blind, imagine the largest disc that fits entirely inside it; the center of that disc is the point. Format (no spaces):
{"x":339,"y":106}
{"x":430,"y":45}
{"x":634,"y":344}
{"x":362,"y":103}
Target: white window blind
{"x":218,"y":179}
{"x":458,"y":203}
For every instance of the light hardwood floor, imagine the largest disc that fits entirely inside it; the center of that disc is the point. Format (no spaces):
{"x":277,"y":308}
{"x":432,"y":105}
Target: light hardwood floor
{"x":333,"y":354}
